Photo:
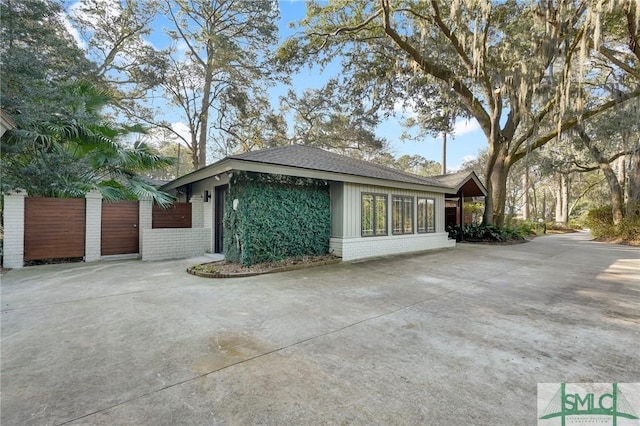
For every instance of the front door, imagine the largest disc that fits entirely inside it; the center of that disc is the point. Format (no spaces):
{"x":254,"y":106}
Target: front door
{"x":221,"y":192}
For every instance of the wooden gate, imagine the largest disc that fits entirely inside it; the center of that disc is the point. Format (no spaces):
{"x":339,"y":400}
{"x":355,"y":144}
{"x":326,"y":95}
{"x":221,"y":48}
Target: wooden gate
{"x":54,"y":228}
{"x":119,"y":233}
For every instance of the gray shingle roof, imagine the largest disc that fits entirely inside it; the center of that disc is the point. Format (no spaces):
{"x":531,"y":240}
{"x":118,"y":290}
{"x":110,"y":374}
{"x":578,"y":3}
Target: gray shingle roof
{"x":311,"y":158}
{"x":452,"y":180}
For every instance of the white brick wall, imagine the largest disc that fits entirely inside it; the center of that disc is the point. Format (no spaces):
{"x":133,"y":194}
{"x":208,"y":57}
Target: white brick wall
{"x":359,"y":248}
{"x":93,"y":215}
{"x":145,"y":221}
{"x":160,"y":244}
{"x":13,"y":213}
{"x":197,"y":212}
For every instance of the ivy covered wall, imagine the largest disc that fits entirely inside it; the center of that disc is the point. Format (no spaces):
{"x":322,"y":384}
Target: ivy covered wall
{"x":271,"y":217}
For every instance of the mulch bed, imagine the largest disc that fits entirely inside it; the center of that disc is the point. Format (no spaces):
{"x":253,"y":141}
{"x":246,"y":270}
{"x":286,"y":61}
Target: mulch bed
{"x":226,"y":269}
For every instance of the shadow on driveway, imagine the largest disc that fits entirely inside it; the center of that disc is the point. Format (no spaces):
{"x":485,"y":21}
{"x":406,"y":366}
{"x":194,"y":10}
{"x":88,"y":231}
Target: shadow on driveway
{"x":452,"y":336}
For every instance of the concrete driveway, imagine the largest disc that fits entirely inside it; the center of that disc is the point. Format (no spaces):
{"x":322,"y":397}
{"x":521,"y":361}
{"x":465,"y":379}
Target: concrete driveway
{"x":458,"y":336}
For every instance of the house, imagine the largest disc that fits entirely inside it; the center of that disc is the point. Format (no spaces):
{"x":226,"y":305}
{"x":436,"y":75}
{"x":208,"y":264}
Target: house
{"x":6,"y":122}
{"x":467,"y":188}
{"x":322,"y":201}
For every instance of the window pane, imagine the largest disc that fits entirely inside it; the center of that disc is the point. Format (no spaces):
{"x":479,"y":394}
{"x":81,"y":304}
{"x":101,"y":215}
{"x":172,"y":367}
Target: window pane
{"x":381,"y":215}
{"x":367,"y":214}
{"x":408,"y":215}
{"x":431,"y":215}
{"x":422,"y":215}
{"x":397,"y":215}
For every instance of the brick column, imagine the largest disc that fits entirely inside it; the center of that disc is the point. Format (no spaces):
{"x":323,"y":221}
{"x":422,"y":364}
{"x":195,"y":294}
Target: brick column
{"x":197,"y":212}
{"x":145,"y":221}
{"x":93,"y":227}
{"x":13,"y":249}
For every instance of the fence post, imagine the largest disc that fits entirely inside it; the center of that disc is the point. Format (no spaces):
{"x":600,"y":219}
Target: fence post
{"x":145,"y":221}
{"x":197,"y":212}
{"x":13,"y":213}
{"x":93,"y":226}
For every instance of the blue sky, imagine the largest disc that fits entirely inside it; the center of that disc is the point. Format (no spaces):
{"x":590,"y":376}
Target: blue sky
{"x":465,"y":144}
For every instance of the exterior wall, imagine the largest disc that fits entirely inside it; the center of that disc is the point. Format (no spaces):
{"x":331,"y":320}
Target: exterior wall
{"x":359,"y":248}
{"x":351,"y":245}
{"x":93,"y":226}
{"x":207,"y":220}
{"x":13,"y":249}
{"x":336,"y":190}
{"x":174,"y":243}
{"x":145,"y":221}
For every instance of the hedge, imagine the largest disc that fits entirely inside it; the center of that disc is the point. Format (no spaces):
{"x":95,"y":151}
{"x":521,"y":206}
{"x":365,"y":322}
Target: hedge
{"x":272,"y":217}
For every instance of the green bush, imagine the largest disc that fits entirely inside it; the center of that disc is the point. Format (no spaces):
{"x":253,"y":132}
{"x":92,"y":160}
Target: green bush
{"x":485,"y":232}
{"x":276,"y":217}
{"x":629,"y":229}
{"x":600,"y":221}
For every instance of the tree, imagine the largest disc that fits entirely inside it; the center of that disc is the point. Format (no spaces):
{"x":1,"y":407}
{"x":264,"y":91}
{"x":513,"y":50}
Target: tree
{"x":77,"y":151}
{"x":418,"y":165}
{"x":38,"y":56}
{"x":323,"y":120}
{"x":115,"y":35}
{"x":228,"y":46}
{"x":510,"y":64}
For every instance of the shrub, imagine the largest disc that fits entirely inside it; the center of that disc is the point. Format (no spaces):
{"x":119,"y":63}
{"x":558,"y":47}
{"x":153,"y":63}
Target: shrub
{"x":275,"y":217}
{"x":485,"y":232}
{"x":600,"y":221}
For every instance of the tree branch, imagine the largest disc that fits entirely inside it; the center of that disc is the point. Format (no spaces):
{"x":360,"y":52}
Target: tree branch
{"x":574,"y":121}
{"x":467,"y":98}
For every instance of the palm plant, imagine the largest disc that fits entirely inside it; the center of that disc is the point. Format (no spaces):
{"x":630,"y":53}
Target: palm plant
{"x":79,"y":150}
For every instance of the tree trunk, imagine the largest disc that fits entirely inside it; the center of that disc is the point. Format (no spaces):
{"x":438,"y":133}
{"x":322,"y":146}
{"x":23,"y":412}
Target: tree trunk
{"x":534,"y":204}
{"x":565,"y":198}
{"x":633,"y":186}
{"x":525,"y":196}
{"x":616,"y":192}
{"x":611,"y":177}
{"x":559,"y":199}
{"x":204,"y":124}
{"x":621,"y":166}
{"x":496,"y":175}
{"x":444,"y":153}
{"x":194,"y":149}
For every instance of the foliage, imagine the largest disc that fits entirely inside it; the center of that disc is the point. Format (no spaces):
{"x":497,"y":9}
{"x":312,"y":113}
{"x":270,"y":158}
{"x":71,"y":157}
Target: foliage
{"x":113,"y":35}
{"x":76,"y":151}
{"x":275,"y":217}
{"x":475,"y":210}
{"x":489,"y":233}
{"x":223,"y":71}
{"x":512,"y":66}
{"x":38,"y":57}
{"x":322,"y":120}
{"x":601,"y":224}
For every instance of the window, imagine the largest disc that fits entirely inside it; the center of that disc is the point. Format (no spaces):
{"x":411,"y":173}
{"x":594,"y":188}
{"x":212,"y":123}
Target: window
{"x":402,"y":215}
{"x":374,"y":214}
{"x":426,"y":215}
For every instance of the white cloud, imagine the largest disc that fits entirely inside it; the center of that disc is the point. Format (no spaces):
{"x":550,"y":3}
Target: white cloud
{"x":405,"y":107}
{"x":73,"y":31}
{"x":182,"y":129}
{"x":457,"y":167}
{"x":468,"y":158}
{"x":463,"y":127}
{"x":158,"y":135}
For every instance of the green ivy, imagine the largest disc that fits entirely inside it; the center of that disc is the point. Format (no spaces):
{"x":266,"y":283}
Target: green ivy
{"x":276,"y":217}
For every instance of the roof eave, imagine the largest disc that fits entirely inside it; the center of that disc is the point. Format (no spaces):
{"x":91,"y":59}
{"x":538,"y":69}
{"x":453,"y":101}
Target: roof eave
{"x":230,"y":164}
